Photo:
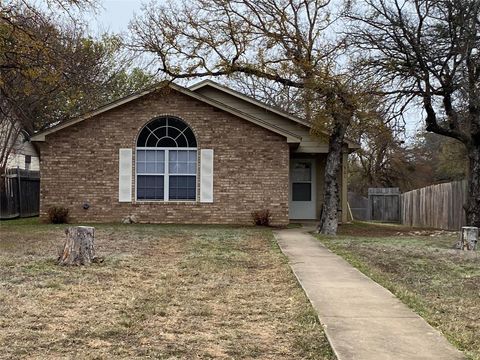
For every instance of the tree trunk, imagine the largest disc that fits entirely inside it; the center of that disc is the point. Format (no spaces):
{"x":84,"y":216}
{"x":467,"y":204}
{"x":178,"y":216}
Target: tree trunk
{"x":331,"y":199}
{"x":469,"y":238}
{"x":79,"y":248}
{"x":472,"y":208}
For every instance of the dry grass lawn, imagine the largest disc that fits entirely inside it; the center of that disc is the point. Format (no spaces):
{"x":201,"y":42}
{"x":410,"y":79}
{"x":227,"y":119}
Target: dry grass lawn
{"x":163,"y":292}
{"x":422,"y":269}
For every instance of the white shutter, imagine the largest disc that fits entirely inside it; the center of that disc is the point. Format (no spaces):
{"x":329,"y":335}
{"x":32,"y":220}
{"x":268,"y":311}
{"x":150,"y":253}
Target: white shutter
{"x":206,"y":175}
{"x":125,"y":175}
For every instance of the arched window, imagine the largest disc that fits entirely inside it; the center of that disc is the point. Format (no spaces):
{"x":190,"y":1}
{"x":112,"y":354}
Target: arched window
{"x":166,"y":161}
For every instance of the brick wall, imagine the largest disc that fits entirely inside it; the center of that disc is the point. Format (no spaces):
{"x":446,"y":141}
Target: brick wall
{"x":80,"y":164}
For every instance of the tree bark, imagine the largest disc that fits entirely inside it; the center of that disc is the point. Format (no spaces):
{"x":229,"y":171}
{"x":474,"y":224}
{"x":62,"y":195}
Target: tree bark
{"x":472,"y":208}
{"x":469,"y":238}
{"x":79,"y":246}
{"x":331,"y":199}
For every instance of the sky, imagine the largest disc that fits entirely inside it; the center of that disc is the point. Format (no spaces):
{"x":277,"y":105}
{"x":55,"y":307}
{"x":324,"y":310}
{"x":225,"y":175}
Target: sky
{"x":114,"y":15}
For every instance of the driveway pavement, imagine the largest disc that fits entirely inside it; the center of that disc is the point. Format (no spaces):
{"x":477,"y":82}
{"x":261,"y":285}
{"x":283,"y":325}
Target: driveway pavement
{"x":362,"y":320}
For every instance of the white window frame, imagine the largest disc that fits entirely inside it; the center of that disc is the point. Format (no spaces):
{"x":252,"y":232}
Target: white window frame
{"x":166,"y":174}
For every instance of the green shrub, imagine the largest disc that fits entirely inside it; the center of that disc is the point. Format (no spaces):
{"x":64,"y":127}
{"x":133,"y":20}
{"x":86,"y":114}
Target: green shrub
{"x":58,"y":215}
{"x":262,"y":217}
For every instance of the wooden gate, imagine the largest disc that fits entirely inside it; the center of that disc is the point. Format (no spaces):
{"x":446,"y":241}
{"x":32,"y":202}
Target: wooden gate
{"x":384,"y":204}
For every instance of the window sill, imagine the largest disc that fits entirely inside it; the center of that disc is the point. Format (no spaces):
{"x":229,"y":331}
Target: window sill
{"x":166,"y":202}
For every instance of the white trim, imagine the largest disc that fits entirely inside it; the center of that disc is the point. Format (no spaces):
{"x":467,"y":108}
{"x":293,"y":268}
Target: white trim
{"x":166,"y":176}
{"x":161,"y":174}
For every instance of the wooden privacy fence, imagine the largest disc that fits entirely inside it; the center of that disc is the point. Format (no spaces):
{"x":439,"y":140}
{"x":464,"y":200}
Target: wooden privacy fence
{"x":437,"y":206}
{"x":19,"y":194}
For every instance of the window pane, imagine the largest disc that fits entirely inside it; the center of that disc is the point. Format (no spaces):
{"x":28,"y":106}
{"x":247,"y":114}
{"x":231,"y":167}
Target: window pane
{"x":141,"y":155}
{"x":160,"y":168}
{"x":150,"y":155}
{"x":150,"y":181}
{"x":160,"y":162}
{"x":192,"y":142}
{"x":160,"y":132}
{"x":166,"y":142}
{"x":182,"y":187}
{"x":173,"y":132}
{"x":150,"y":187}
{"x":151,"y":141}
{"x":150,"y":161}
{"x":140,"y":167}
{"x":160,"y":155}
{"x":192,"y":168}
{"x":182,"y":168}
{"x":150,"y":194}
{"x":301,"y":191}
{"x":302,"y":171}
{"x":181,"y":141}
{"x":176,"y":123}
{"x":183,"y":155}
{"x":166,"y":132}
{"x":182,"y":162}
{"x":150,"y":168}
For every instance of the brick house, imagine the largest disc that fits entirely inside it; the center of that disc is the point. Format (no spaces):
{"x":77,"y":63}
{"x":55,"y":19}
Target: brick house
{"x":204,"y":154}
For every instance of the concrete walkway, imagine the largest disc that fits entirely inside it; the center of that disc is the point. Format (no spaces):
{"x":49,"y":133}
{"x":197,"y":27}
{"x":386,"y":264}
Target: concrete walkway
{"x":362,"y":320}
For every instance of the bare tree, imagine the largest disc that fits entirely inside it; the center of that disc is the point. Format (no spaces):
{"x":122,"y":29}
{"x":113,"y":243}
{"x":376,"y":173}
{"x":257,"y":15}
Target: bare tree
{"x":51,"y":71}
{"x":286,"y":98}
{"x":427,"y":52}
{"x":283,"y":41}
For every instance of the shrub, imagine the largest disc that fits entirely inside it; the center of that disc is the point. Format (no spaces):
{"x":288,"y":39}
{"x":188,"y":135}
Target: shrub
{"x":58,"y":215}
{"x":261,"y":217}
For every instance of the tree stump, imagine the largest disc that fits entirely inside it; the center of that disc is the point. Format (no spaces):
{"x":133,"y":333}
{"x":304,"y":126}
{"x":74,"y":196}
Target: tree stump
{"x":469,"y":238}
{"x":79,"y":248}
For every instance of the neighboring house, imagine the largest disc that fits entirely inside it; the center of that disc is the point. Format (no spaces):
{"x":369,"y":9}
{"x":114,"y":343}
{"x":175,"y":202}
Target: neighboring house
{"x":23,"y":155}
{"x":206,"y":154}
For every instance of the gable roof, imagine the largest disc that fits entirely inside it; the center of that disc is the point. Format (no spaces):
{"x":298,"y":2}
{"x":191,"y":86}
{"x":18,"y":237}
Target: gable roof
{"x":291,"y":137}
{"x":204,"y":83}
{"x":249,"y":99}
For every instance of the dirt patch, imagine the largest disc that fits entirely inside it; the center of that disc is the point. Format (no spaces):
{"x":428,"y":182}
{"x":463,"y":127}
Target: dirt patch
{"x":364,"y":229}
{"x":163,"y":292}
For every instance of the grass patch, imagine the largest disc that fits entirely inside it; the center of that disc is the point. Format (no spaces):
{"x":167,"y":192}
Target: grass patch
{"x":163,"y":292}
{"x":424,"y":271}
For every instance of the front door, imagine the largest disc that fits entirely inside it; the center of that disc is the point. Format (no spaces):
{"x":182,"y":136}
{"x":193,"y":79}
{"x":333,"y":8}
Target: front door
{"x":302,"y":189}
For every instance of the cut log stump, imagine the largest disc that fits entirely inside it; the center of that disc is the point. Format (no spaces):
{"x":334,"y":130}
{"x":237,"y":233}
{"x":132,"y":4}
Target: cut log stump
{"x":469,"y":238}
{"x":79,"y":246}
